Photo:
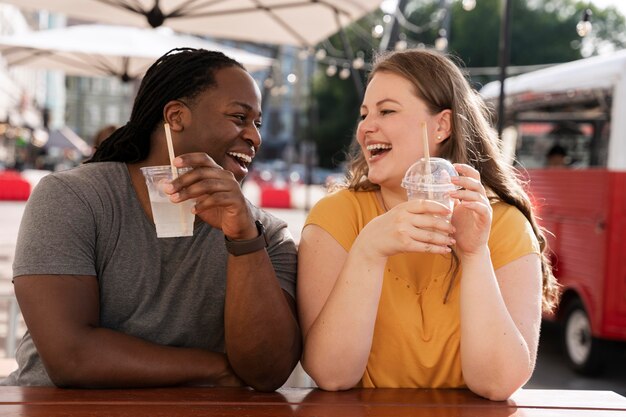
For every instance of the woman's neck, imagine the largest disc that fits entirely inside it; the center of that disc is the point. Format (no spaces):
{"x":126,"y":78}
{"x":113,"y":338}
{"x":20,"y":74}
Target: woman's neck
{"x":391,"y":198}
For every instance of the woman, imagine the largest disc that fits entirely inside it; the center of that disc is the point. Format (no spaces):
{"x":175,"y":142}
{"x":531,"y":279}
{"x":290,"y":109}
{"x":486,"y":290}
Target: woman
{"x":390,"y":294}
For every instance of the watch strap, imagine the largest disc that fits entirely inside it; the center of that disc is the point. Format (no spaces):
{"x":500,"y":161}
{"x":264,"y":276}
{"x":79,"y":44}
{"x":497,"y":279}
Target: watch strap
{"x":244,"y":247}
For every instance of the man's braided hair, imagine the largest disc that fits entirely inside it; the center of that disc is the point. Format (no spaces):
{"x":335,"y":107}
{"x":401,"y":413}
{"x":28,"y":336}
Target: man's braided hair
{"x":182,"y":73}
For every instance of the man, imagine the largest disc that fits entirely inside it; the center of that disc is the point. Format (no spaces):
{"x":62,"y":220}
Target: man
{"x":556,"y":157}
{"x":107,"y":303}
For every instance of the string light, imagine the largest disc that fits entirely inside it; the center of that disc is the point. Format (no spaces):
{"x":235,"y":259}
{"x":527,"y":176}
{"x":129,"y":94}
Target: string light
{"x":320,"y":54}
{"x":344,"y":74}
{"x":583,"y":28}
{"x":377,"y":31}
{"x":359,"y":61}
{"x":331,"y":70}
{"x":441,"y":43}
{"x":468,"y":5}
{"x":337,"y":65}
{"x":402,"y":44}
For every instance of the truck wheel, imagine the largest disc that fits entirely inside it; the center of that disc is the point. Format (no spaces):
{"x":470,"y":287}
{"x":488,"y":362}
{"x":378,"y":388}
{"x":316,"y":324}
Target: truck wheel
{"x":584,"y":352}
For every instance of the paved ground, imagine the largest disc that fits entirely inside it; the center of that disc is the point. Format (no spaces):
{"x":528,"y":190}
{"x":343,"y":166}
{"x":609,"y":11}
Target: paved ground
{"x":552,"y":371}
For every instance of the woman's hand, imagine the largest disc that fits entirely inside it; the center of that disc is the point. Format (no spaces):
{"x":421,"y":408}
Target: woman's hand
{"x":219,"y":199}
{"x":472,"y":215}
{"x":412,"y":226}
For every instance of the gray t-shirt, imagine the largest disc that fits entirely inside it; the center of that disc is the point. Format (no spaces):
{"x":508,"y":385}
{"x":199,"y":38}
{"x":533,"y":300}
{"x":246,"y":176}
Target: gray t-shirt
{"x":88,"y":221}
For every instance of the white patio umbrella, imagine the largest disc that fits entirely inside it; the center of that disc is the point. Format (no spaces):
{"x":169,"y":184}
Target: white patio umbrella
{"x":101,"y":50}
{"x":294,"y":22}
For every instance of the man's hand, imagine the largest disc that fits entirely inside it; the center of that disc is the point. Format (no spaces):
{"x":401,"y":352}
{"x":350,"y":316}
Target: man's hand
{"x":219,"y":199}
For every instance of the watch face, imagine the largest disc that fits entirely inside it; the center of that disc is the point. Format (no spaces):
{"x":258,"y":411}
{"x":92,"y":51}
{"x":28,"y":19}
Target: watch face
{"x":261,"y":228}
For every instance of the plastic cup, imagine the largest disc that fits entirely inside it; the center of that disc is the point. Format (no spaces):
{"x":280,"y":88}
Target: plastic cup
{"x":171,"y":219}
{"x":433,"y":184}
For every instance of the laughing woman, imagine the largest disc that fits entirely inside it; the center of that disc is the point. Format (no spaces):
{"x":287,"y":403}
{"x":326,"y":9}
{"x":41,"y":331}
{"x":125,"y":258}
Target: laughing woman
{"x":391,"y":294}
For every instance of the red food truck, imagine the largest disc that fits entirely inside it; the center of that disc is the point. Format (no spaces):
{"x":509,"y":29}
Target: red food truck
{"x":566,"y":130}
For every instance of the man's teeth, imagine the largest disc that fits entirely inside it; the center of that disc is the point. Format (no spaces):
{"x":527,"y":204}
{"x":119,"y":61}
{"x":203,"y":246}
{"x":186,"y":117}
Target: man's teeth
{"x":241,"y":156}
{"x":378,"y":146}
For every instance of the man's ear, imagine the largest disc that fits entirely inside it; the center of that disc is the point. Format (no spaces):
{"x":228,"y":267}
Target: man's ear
{"x":444,"y":125}
{"x":177,"y":115}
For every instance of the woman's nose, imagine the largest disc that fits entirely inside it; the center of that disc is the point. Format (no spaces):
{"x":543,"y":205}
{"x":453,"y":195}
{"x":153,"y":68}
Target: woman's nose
{"x":366,"y":125}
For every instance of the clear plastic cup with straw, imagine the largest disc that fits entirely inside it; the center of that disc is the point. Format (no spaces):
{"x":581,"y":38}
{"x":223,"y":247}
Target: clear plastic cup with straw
{"x":171,"y":219}
{"x":430,"y":178}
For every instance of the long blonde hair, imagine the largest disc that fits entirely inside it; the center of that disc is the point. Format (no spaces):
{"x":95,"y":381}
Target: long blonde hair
{"x":439,"y":82}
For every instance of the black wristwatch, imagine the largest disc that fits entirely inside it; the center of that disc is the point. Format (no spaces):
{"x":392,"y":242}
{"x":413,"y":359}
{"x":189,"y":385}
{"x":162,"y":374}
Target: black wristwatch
{"x":243,"y":247}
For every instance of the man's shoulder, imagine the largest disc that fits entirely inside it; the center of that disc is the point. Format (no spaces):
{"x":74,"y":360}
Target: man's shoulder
{"x":86,"y":172}
{"x":91,"y":182}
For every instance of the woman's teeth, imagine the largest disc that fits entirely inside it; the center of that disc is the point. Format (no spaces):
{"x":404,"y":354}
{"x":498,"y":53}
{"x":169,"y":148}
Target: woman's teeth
{"x":378,"y":146}
{"x":377,"y":149}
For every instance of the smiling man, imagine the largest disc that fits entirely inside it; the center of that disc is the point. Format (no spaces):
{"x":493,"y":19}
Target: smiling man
{"x":107,"y":303}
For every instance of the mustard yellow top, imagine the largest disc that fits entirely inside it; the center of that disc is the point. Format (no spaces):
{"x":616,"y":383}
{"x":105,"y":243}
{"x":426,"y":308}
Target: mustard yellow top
{"x":416,"y":336}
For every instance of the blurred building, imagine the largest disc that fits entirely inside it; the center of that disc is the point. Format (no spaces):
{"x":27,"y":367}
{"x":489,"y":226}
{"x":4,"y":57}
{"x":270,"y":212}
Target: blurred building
{"x":95,"y":102}
{"x":286,"y":102}
{"x":20,"y":111}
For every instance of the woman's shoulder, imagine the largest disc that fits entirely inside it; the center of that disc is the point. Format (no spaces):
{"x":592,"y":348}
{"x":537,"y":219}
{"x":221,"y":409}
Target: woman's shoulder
{"x":504,"y":213}
{"x":511,"y":235}
{"x":343,"y":207}
{"x":345,"y":197}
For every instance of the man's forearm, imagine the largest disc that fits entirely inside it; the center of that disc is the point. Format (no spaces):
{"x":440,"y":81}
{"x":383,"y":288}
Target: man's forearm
{"x":263,"y":341}
{"x":104,"y":358}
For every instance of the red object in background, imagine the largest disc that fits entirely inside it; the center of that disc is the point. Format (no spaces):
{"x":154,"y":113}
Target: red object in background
{"x":586,"y":212}
{"x":275,"y":197}
{"x":13,"y":187}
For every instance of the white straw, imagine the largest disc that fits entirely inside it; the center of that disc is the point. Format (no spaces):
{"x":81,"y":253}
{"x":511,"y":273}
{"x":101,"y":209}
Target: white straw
{"x":427,"y":159}
{"x":170,"y":149}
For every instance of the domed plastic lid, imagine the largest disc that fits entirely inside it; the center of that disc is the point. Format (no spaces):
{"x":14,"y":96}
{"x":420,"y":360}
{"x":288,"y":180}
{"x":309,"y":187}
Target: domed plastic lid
{"x":441,"y":171}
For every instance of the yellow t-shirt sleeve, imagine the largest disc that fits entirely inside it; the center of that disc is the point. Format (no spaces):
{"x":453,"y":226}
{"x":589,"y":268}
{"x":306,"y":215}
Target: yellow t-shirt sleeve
{"x":511,"y":236}
{"x":338,"y":214}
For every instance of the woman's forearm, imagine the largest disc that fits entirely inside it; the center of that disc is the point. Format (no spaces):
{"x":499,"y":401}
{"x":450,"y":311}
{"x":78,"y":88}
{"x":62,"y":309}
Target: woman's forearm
{"x":337,"y":345}
{"x":495,"y":357}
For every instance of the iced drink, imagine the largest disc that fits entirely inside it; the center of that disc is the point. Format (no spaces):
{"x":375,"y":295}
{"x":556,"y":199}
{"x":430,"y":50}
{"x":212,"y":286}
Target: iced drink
{"x":430,"y":184}
{"x":171,"y":219}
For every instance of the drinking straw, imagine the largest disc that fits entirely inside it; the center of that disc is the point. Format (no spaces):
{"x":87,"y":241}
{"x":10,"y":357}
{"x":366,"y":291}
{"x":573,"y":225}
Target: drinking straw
{"x":427,"y":171}
{"x":170,"y":149}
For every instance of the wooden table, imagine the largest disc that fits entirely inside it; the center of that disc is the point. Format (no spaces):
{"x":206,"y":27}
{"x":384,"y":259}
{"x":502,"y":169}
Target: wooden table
{"x":171,"y":402}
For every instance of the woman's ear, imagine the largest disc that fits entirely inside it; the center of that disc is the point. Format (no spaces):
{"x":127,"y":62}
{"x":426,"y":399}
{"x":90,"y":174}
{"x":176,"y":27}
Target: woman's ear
{"x":444,"y":125}
{"x":177,"y":114}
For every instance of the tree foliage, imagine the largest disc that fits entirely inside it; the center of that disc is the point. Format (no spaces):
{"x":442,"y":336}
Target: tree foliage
{"x":541,"y":32}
